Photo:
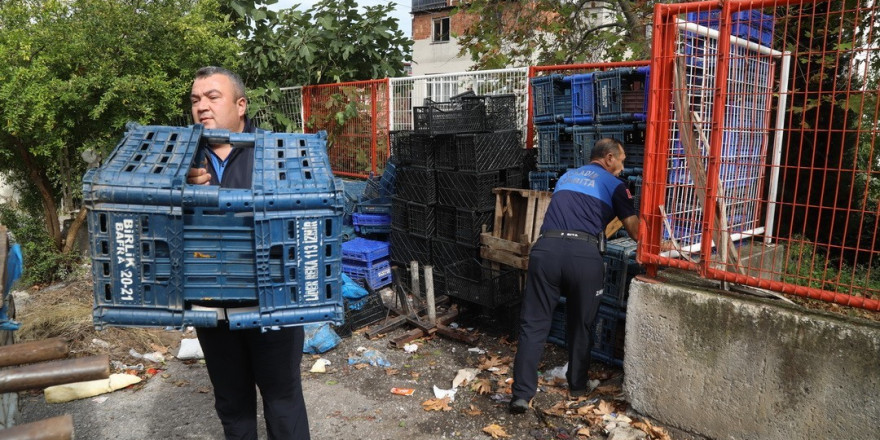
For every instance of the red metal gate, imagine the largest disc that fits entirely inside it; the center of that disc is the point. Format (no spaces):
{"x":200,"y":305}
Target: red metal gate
{"x":761,"y":162}
{"x":356,"y":118}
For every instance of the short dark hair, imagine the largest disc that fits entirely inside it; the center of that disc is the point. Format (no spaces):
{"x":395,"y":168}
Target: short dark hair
{"x":237,"y":83}
{"x":605,"y":146}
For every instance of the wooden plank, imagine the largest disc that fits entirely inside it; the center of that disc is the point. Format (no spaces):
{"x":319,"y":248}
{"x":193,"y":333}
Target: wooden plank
{"x":507,"y":258}
{"x":504,"y":245}
{"x":528,"y":227}
{"x":613,"y":227}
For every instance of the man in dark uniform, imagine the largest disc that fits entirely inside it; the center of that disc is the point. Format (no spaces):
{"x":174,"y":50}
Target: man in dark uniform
{"x":566,"y":261}
{"x":238,"y":361}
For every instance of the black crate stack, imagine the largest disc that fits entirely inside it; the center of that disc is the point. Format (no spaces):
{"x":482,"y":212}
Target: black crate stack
{"x":448,"y":166}
{"x":571,"y":113}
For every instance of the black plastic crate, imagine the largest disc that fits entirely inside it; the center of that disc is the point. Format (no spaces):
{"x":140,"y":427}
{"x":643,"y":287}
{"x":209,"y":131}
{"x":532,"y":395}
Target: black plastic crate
{"x":399,"y":140}
{"x":444,"y":253}
{"x":480,"y":152}
{"x":421,"y":150}
{"x":361,"y":313}
{"x":469,"y":224}
{"x":406,"y":248}
{"x":609,"y":332}
{"x":416,"y":185}
{"x":399,"y":214}
{"x":635,"y":188}
{"x":620,"y":268}
{"x":474,"y":190}
{"x":421,"y":220}
{"x":444,"y":153}
{"x":501,"y":112}
{"x":444,"y":220}
{"x":477,"y":282}
{"x":451,"y":117}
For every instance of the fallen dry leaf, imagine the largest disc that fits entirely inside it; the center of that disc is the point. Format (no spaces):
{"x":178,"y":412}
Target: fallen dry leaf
{"x":585,"y":410}
{"x":203,"y":390}
{"x":159,"y":348}
{"x":415,"y":375}
{"x":654,"y":432}
{"x":608,"y":389}
{"x":437,"y":405}
{"x":496,"y":431}
{"x":360,"y":366}
{"x":560,"y":409}
{"x":502,"y":371}
{"x":481,"y":386}
{"x":391,"y":371}
{"x":605,"y":408}
{"x":473,"y":411}
{"x":504,"y":387}
{"x":493,"y":361}
{"x":583,"y":433}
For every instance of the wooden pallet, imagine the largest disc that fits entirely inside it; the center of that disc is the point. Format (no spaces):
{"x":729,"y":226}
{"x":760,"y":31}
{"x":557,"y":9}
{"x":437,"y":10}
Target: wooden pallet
{"x":519,"y":214}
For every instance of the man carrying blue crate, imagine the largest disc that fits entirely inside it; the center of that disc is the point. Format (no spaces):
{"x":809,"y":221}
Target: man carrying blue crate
{"x":567,"y":260}
{"x":239,"y":361}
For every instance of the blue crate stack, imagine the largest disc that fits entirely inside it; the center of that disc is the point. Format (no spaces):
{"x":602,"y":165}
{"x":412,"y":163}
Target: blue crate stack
{"x":367,"y":261}
{"x":449,"y":164}
{"x":159,"y":244}
{"x":572,"y":112}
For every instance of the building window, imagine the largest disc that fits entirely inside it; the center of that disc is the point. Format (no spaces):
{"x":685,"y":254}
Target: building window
{"x":441,"y":30}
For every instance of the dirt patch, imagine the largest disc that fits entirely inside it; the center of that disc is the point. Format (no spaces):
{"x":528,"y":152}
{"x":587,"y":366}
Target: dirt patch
{"x":176,"y":400}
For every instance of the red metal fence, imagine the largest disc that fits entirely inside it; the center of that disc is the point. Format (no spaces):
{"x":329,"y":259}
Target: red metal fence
{"x":355,"y":116}
{"x":761,"y":159}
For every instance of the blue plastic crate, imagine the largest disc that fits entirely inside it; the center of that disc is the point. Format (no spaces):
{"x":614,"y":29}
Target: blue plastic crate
{"x":621,"y":95}
{"x":551,"y":97}
{"x":620,"y":268}
{"x":556,"y":148}
{"x":751,"y":24}
{"x":379,"y":205}
{"x":635,"y":189}
{"x":359,"y":219}
{"x":376,"y":275}
{"x":159,"y":245}
{"x":543,"y":180}
{"x":583,"y":99}
{"x":584,"y":138}
{"x":364,"y":250}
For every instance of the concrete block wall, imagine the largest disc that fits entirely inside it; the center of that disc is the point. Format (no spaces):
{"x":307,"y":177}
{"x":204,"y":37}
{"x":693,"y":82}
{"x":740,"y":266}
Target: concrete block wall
{"x":735,"y":367}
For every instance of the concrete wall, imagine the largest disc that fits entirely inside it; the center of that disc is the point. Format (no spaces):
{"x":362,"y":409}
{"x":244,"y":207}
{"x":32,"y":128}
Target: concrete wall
{"x":736,"y":367}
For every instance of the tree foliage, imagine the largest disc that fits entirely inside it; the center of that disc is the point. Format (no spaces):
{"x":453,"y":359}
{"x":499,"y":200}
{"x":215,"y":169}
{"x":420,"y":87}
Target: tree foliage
{"x":548,"y":32}
{"x":332,"y":41}
{"x":72,"y":73}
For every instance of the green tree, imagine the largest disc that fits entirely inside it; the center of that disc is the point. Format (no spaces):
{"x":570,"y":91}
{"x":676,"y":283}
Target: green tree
{"x":332,"y":41}
{"x":549,"y":32}
{"x":73,"y":72}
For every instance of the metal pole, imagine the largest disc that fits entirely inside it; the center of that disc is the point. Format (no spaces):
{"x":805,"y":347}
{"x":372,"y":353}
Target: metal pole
{"x":414,"y":278}
{"x":777,"y":147}
{"x":30,"y":352}
{"x":54,"y":373}
{"x":56,"y":428}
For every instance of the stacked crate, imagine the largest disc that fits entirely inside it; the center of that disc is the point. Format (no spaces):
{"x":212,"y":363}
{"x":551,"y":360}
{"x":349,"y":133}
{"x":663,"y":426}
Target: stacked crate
{"x":572,"y":112}
{"x":367,"y":261}
{"x":159,"y":245}
{"x":459,"y":151}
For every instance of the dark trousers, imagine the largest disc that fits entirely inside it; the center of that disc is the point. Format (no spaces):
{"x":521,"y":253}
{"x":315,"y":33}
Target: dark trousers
{"x":238,"y":361}
{"x":558,"y":266}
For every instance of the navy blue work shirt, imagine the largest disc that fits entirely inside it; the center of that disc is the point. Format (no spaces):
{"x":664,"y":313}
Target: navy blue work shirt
{"x":586,"y":199}
{"x":237,"y":170}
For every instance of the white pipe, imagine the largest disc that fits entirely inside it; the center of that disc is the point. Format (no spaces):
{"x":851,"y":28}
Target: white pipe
{"x":736,"y":41}
{"x":695,"y":248}
{"x":429,"y":294}
{"x":777,"y":147}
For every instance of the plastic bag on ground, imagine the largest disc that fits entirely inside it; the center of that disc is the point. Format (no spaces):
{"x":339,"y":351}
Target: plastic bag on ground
{"x":319,"y":338}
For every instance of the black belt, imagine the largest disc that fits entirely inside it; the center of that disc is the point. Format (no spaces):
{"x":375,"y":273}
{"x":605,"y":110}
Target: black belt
{"x":576,"y":235}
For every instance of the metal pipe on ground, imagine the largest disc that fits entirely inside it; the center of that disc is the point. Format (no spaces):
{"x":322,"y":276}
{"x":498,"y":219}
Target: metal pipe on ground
{"x":55,"y":428}
{"x":54,"y":373}
{"x":31,"y":352}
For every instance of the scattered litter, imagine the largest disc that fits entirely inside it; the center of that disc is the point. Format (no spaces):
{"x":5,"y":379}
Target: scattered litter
{"x":124,"y":367}
{"x":190,"y":349}
{"x":100,"y":399}
{"x":477,"y":350}
{"x":464,"y":375}
{"x":557,"y":373}
{"x":410,"y":348}
{"x":501,"y":398}
{"x":361,"y":349}
{"x":440,"y":394}
{"x":372,"y":357}
{"x":319,"y":338}
{"x":403,"y":391}
{"x":320,"y":366}
{"x":493,"y":369}
{"x":155,"y":357}
{"x":470,"y":329}
{"x":453,"y":325}
{"x":133,"y":353}
{"x":100,"y":343}
{"x":81,"y":390}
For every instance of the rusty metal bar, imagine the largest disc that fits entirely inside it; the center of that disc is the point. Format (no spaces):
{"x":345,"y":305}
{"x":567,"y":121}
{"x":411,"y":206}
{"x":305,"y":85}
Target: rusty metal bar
{"x":54,"y":373}
{"x":31,"y":352}
{"x":56,"y":428}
